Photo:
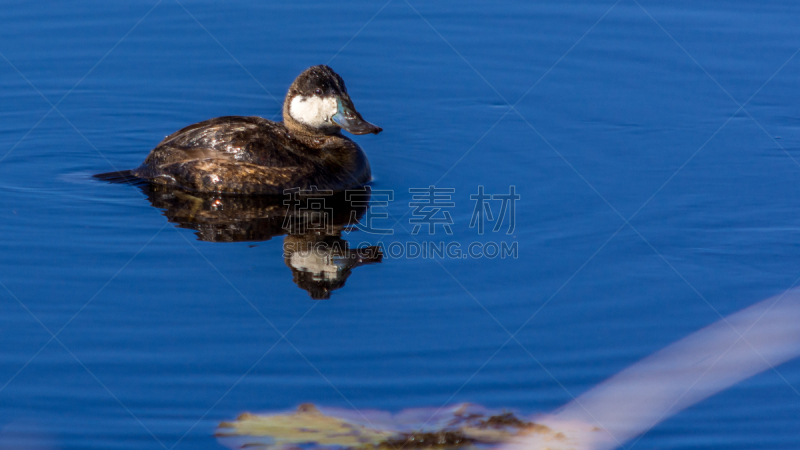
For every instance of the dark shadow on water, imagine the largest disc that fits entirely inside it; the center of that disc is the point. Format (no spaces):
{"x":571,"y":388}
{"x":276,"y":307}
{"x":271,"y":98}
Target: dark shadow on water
{"x":312,"y":221}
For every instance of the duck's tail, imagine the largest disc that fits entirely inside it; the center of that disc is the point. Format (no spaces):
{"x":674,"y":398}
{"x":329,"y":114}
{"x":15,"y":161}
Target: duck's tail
{"x":121,"y":177}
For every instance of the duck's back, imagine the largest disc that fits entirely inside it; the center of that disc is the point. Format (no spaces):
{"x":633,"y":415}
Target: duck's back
{"x":244,"y":139}
{"x":250,"y":155}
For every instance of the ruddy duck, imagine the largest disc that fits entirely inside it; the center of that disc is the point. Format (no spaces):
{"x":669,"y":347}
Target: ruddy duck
{"x":252,"y":155}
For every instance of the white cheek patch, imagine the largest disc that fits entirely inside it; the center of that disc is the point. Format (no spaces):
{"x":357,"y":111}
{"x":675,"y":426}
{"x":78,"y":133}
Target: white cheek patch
{"x":322,"y":267}
{"x":315,"y":111}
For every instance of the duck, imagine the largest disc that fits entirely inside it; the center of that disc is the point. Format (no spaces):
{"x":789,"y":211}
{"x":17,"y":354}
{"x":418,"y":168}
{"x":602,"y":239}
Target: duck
{"x":253,"y":155}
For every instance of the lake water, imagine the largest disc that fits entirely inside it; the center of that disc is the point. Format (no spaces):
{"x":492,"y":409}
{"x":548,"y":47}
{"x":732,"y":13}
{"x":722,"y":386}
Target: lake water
{"x":678,"y":117}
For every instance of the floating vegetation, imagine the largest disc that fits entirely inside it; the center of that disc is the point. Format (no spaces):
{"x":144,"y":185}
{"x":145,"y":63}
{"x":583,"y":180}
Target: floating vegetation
{"x":438,"y":439}
{"x":310,"y":427}
{"x":306,"y":425}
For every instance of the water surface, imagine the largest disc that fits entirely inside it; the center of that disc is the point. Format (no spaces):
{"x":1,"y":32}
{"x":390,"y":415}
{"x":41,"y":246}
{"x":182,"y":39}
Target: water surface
{"x":621,"y":112}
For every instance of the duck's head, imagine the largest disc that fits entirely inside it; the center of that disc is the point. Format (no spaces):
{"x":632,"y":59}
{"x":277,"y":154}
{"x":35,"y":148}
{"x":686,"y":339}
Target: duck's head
{"x":318,"y":103}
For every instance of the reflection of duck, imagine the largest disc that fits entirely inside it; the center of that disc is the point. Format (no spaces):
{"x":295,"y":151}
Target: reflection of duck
{"x":251,"y":155}
{"x":321,"y":264}
{"x":312,"y":221}
{"x":241,"y":218}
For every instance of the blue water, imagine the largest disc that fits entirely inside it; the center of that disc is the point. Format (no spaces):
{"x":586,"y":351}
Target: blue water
{"x":623,"y":111}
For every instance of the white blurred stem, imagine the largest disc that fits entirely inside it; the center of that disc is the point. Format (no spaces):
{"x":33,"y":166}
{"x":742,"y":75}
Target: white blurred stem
{"x":713,"y":359}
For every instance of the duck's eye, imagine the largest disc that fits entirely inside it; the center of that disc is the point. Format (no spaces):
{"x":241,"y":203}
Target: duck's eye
{"x":318,"y":92}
